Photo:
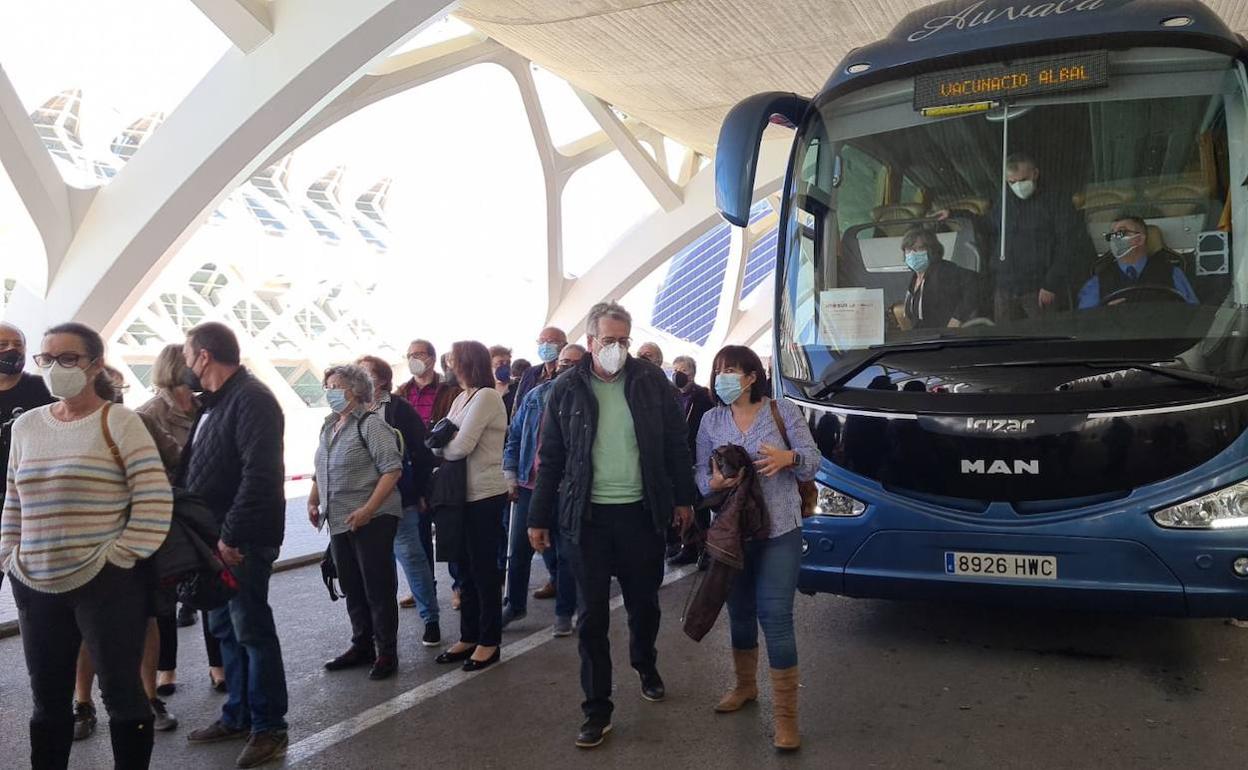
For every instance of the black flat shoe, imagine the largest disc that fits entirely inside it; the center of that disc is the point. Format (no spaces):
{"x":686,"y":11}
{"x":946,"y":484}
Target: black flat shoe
{"x":218,"y":685}
{"x":652,"y":688}
{"x":477,"y":665}
{"x":455,"y":657}
{"x":165,"y":690}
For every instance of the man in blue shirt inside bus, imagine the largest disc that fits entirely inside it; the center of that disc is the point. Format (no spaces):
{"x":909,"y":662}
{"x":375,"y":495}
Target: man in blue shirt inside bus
{"x":1132,"y":266}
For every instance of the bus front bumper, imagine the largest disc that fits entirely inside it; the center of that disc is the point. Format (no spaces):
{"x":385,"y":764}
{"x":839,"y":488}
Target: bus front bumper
{"x":1189,"y":575}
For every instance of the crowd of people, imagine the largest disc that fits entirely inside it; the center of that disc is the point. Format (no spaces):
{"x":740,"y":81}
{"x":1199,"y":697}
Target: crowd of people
{"x":595,"y":459}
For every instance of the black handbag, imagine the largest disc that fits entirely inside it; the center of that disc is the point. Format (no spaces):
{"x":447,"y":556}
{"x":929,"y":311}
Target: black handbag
{"x":448,"y":498}
{"x":211,"y":586}
{"x":329,"y":572}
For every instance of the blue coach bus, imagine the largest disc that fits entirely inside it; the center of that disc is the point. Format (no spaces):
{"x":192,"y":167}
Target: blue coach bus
{"x":1012,"y":295}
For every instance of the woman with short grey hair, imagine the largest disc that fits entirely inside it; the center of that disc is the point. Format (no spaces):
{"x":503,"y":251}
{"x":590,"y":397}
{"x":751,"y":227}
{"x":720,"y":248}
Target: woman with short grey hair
{"x":358,"y":464}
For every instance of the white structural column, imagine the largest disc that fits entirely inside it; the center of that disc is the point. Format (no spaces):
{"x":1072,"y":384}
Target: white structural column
{"x":247,"y":23}
{"x":54,"y":206}
{"x":242,"y":110}
{"x":729,"y":309}
{"x":659,"y":238}
{"x":655,"y":178}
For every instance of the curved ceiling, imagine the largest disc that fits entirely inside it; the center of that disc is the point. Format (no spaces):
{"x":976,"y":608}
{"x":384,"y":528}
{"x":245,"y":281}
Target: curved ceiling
{"x":679,"y":65}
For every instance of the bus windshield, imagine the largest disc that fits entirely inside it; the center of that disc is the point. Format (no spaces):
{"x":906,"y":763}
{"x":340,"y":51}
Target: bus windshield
{"x":1103,"y":223}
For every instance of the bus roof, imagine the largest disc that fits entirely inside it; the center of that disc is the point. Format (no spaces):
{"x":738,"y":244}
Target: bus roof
{"x":959,"y":32}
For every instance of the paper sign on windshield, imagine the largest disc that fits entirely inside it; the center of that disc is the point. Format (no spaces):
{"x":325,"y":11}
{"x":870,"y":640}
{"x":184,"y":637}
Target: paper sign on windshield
{"x":851,"y":318}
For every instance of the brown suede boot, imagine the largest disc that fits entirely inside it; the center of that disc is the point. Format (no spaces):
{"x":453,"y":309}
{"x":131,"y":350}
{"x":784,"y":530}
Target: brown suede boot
{"x":745,"y":662}
{"x":784,"y":695}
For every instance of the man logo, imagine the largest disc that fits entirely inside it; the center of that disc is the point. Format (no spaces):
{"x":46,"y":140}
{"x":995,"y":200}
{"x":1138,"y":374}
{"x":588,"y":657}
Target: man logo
{"x":1001,"y":467}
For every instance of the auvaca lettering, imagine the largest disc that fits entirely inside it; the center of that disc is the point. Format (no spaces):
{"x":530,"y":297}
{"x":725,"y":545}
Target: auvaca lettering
{"x":972,"y":16}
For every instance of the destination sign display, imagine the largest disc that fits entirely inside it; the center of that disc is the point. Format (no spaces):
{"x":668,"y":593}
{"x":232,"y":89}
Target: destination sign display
{"x":1026,"y":77}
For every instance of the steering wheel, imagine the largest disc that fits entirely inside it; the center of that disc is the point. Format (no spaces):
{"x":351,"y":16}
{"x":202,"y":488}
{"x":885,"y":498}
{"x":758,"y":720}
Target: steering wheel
{"x":1142,"y":292}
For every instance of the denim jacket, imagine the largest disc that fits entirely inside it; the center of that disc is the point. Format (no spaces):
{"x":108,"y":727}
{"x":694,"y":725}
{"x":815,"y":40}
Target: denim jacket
{"x":521,"y":447}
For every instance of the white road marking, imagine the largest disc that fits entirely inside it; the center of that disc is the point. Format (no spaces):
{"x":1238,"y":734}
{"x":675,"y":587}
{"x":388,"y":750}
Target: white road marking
{"x":348,"y":728}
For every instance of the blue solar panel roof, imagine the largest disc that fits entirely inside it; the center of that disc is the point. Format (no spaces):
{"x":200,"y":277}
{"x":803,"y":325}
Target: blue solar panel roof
{"x":686,"y":302}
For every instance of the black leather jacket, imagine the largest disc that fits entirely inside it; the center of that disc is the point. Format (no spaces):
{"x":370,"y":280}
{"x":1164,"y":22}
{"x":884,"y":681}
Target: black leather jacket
{"x":565,"y":460}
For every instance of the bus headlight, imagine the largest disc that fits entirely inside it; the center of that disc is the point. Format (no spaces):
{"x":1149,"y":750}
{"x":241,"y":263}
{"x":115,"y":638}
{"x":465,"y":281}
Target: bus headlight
{"x":1226,"y":508}
{"x":835,"y":503}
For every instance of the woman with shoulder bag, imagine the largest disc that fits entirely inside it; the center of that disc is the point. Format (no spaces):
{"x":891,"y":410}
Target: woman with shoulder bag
{"x":777,"y":437}
{"x":357,"y":467}
{"x":481,"y":419}
{"x":74,"y":577}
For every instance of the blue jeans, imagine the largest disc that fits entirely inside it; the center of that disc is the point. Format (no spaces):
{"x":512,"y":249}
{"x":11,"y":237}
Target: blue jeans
{"x":254,"y":674}
{"x":763,"y":595}
{"x":521,"y":565}
{"x":409,"y":552}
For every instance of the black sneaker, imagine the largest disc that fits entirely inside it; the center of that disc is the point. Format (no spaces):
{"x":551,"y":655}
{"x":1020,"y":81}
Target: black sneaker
{"x":652,"y":688}
{"x":687,"y":555}
{"x":163,"y":720}
{"x":592,"y":733}
{"x":433,"y":635}
{"x":84,"y":720}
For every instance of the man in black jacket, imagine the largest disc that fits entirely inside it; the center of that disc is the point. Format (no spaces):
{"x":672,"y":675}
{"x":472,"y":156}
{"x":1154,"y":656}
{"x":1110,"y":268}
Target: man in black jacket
{"x":614,"y":454}
{"x":694,"y":401}
{"x":234,"y":462}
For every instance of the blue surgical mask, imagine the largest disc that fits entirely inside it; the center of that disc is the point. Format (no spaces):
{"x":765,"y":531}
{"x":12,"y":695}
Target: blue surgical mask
{"x":502,"y":373}
{"x":917,"y":261}
{"x":548,"y":352}
{"x":728,"y":387}
{"x":337,"y":398}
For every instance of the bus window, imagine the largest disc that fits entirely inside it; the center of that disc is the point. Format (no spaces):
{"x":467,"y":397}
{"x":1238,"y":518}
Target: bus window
{"x":1032,"y":256}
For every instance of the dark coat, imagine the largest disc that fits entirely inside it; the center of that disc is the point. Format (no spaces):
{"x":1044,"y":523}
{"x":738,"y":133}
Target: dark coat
{"x":1045,"y":243}
{"x":741,"y":516}
{"x":741,"y":512}
{"x":699,"y":404}
{"x":404,"y":418}
{"x":949,"y":291}
{"x":565,"y":471}
{"x":234,"y":463}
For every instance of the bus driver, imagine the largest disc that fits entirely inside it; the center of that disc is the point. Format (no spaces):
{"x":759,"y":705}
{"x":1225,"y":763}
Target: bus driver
{"x":1129,"y":264}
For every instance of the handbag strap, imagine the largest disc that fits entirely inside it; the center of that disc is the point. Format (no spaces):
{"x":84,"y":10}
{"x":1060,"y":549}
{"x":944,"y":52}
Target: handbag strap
{"x":113,"y":449}
{"x":784,"y":432}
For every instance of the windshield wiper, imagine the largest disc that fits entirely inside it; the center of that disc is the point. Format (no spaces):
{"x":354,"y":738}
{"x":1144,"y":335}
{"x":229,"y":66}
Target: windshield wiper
{"x":1155,"y":367}
{"x":940,"y":342}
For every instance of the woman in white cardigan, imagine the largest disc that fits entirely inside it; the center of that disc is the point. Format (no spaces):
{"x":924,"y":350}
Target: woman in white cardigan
{"x":482,"y":421}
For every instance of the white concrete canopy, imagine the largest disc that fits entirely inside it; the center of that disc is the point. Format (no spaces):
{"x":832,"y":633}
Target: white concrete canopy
{"x":246,"y":106}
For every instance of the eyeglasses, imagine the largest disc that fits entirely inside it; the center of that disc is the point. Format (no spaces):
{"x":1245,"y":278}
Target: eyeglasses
{"x":426,"y":356}
{"x":67,"y":360}
{"x":623,"y":342}
{"x":1118,"y":235}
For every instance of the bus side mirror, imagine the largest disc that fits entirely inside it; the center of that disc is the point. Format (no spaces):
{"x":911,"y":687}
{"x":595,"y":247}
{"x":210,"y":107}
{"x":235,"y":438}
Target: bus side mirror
{"x":736,"y":155}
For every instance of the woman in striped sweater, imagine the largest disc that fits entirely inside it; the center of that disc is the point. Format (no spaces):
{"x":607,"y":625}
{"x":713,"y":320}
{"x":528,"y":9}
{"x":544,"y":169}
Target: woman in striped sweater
{"x":87,"y":498}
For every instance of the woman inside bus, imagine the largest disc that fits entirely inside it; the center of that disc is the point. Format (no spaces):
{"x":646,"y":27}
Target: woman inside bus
{"x":941,"y":294}
{"x":776,"y":435}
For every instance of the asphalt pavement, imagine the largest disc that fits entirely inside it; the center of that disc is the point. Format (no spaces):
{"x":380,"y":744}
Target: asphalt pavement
{"x":885,"y":684}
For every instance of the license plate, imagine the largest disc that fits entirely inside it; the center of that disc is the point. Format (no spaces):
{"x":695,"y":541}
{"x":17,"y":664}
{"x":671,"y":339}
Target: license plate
{"x":1001,"y":565}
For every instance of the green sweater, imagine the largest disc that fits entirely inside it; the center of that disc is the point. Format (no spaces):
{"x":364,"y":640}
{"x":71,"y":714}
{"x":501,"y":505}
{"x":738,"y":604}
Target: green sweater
{"x":617,"y":461}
